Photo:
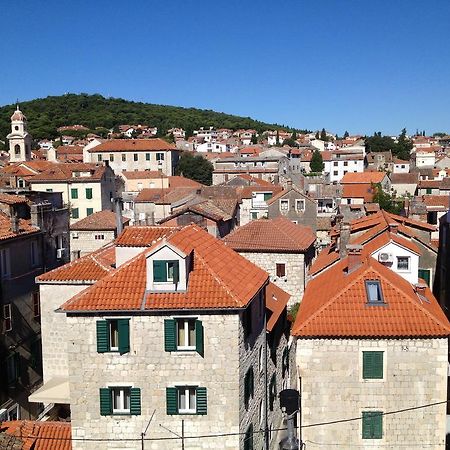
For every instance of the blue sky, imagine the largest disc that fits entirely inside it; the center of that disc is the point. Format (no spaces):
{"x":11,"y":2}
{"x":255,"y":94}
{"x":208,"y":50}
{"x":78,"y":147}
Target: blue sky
{"x":355,"y":65}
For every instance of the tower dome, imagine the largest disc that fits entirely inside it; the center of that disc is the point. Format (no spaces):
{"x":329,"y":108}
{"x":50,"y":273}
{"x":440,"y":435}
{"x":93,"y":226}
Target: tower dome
{"x":18,"y":115}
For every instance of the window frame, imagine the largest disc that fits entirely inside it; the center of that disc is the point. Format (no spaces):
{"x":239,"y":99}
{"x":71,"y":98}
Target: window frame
{"x":382,"y":374}
{"x":186,"y":322}
{"x":186,"y":390}
{"x":5,"y":263}
{"x":160,"y":156}
{"x":374,"y":414}
{"x":88,"y":192}
{"x":74,"y":193}
{"x":370,"y":301}
{"x":408,"y":261}
{"x":7,"y":317}
{"x":299,"y":201}
{"x":284,"y":201}
{"x":123,"y":391}
{"x":34,"y":253}
{"x":75,"y":213}
{"x":36,"y":302}
{"x":282,"y":267}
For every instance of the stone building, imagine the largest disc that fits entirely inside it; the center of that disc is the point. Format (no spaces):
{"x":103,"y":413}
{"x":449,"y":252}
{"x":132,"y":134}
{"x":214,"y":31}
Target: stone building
{"x":369,"y":343}
{"x":176,"y":330}
{"x":295,"y":205}
{"x":93,"y":232}
{"x":281,"y":248}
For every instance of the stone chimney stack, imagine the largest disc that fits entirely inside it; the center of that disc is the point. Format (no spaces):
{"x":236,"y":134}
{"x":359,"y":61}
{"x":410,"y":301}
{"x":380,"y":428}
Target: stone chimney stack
{"x":393,"y":227}
{"x":118,"y":211}
{"x":354,"y":257}
{"x":15,"y":224}
{"x":344,"y":238}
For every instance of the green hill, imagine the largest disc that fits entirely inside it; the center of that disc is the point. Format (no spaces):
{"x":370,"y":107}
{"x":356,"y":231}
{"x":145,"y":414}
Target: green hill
{"x":45,"y":115}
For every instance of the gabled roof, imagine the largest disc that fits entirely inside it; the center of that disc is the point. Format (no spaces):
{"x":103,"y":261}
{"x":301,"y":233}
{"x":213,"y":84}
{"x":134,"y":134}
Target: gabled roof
{"x":405,"y":178}
{"x":11,"y":199}
{"x":6,"y":231}
{"x":276,"y":235}
{"x":247,"y":191}
{"x":220,"y":278}
{"x":132,"y":145}
{"x":65,"y":172}
{"x":363,"y":177}
{"x":143,"y":236}
{"x":282,"y":193}
{"x":335,"y":305}
{"x":358,"y":190}
{"x":182,"y":182}
{"x":142,"y":174}
{"x":35,"y":435}
{"x":101,"y":221}
{"x":85,"y":270}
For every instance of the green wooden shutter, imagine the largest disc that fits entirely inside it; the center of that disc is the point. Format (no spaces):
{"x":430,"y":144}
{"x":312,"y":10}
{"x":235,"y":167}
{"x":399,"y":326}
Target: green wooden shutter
{"x":201,"y":401}
{"x":267,"y":196}
{"x":171,"y":401}
{"x":74,"y":193}
{"x":89,"y":211}
{"x":372,"y":365}
{"x":372,"y":425}
{"x":170,"y":335}
{"x":176,"y":271}
{"x":105,"y":402}
{"x":89,"y":193}
{"x":123,"y":326}
{"x":159,"y":271}
{"x":199,"y":337}
{"x":135,"y":401}
{"x":102,"y":336}
{"x":425,"y":275}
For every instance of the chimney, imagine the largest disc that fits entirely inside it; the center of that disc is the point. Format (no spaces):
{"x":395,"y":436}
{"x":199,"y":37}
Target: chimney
{"x":344,"y":238}
{"x":354,"y":257}
{"x":393,"y":227}
{"x":420,"y":289}
{"x":118,"y":212}
{"x":14,"y":219}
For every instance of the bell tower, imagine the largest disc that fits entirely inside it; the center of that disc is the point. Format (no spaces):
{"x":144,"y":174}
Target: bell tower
{"x":19,"y":139}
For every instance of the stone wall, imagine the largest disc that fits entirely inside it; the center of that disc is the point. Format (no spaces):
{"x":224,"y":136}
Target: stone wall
{"x":84,"y":242}
{"x":294,"y":281}
{"x":333,"y":389}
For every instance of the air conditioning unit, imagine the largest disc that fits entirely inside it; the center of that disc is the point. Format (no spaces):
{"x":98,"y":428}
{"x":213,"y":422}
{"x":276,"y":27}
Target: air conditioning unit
{"x":60,"y":253}
{"x":385,"y":257}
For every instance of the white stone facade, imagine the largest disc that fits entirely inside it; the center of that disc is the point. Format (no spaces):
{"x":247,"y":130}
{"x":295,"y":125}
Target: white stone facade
{"x":332,"y":388}
{"x":84,"y":242}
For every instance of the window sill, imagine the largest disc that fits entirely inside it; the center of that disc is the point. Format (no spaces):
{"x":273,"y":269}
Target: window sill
{"x":185,"y":352}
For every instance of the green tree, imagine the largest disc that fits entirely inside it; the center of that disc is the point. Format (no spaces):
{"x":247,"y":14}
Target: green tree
{"x":196,"y":168}
{"x":291,"y":142}
{"x":346,"y":135}
{"x":294,"y":135}
{"x":316,"y":164}
{"x":403,"y":146}
{"x":323,"y":135}
{"x":440,"y":134}
{"x":386,"y":201}
{"x":254,"y":139}
{"x":277,"y":139}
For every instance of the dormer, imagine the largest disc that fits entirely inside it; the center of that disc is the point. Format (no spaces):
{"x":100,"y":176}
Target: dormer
{"x":167,"y":269}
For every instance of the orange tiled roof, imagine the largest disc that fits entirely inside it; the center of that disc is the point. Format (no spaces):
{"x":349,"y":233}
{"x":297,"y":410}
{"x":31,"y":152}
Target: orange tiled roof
{"x":220,"y":278}
{"x":335,"y":305}
{"x":436,"y":200}
{"x":276,"y":235}
{"x":257,"y":181}
{"x":11,"y":199}
{"x":247,"y":191}
{"x":183,"y":182}
{"x":88,"y":269}
{"x":358,"y":190}
{"x":142,"y":174}
{"x":132,"y":145}
{"x":102,"y":220}
{"x":143,"y":236}
{"x":65,"y":171}
{"x":276,"y":302}
{"x":363,"y":177}
{"x":6,"y":232}
{"x":38,"y":435}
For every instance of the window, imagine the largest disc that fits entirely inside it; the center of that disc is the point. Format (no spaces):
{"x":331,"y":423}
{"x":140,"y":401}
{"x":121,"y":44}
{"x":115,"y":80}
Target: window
{"x":345,"y":163}
{"x":88,"y":193}
{"x":272,"y":391}
{"x":17,"y":149}
{"x":299,"y":205}
{"x":261,"y":359}
{"x":36,"y":304}
{"x":248,"y":439}
{"x":135,"y":157}
{"x":183,"y":334}
{"x":335,"y":163}
{"x":186,"y":400}
{"x":335,"y":172}
{"x":34,"y":253}
{"x":247,"y":321}
{"x":147,"y":156}
{"x":372,"y":365}
{"x":111,"y":157}
{"x":74,"y":193}
{"x":402,"y":262}
{"x":7,"y":317}
{"x":89,"y":211}
{"x":284,"y":205}
{"x":124,"y":157}
{"x":425,"y":274}
{"x":99,"y":237}
{"x":285,"y":361}
{"x":113,"y":335}
{"x":267,"y":196}
{"x":12,"y":368}
{"x":432,"y":218}
{"x":254,"y":215}
{"x":49,"y":190}
{"x":281,"y":270}
{"x":373,"y":292}
{"x":99,"y":157}
{"x":164,"y":271}
{"x":429,"y":191}
{"x":160,"y":157}
{"x":372,"y":425}
{"x":74,"y":235}
{"x":36,"y":354}
{"x":249,"y":385}
{"x":75,"y":213}
{"x":120,"y":400}
{"x":5,"y":263}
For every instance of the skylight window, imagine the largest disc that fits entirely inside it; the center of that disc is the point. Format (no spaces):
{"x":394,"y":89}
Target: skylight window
{"x":374,"y":292}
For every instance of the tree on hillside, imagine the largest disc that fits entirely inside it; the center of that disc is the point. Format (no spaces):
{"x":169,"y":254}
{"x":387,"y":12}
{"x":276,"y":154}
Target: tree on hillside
{"x":196,"y":168}
{"x":277,"y":139}
{"x":386,"y":201}
{"x":378,"y":143}
{"x":294,"y":135}
{"x":254,"y":139}
{"x":316,"y":165}
{"x":323,"y":135}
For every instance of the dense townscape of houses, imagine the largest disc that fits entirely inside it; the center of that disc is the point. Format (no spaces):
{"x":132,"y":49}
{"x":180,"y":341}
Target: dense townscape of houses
{"x":143,"y":309}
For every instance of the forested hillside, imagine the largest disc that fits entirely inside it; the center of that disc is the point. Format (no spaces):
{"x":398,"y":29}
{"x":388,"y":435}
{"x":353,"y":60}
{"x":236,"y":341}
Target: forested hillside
{"x":45,"y":115}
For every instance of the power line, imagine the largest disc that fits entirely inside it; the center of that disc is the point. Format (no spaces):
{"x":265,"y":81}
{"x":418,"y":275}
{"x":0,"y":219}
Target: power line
{"x":205,"y":436}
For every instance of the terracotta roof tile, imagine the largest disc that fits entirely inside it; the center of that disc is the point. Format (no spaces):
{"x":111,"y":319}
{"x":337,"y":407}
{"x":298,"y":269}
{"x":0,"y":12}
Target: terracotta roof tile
{"x":363,"y":177}
{"x":220,"y":278}
{"x":6,"y":232}
{"x":247,"y":191}
{"x":38,"y":435}
{"x":358,"y":190}
{"x":276,"y":235}
{"x":11,"y":199}
{"x":87,"y":269}
{"x":143,"y":236}
{"x":142,"y":174}
{"x":102,"y":220}
{"x":132,"y":145}
{"x":276,"y":302}
{"x":65,"y":172}
{"x":436,"y":200}
{"x":183,"y":182}
{"x":335,"y":305}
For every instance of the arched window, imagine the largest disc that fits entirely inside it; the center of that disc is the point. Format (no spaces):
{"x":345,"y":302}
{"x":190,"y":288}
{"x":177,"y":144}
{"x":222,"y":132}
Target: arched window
{"x":17,"y":149}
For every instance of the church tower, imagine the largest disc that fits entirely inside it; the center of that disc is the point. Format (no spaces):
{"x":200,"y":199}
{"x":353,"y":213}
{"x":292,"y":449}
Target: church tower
{"x":19,"y":139}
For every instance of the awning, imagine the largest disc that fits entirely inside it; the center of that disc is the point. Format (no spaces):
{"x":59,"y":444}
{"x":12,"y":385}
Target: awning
{"x":56,"y":390}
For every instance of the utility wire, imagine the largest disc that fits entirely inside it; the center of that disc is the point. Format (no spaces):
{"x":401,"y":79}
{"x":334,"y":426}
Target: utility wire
{"x":204,"y":436}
